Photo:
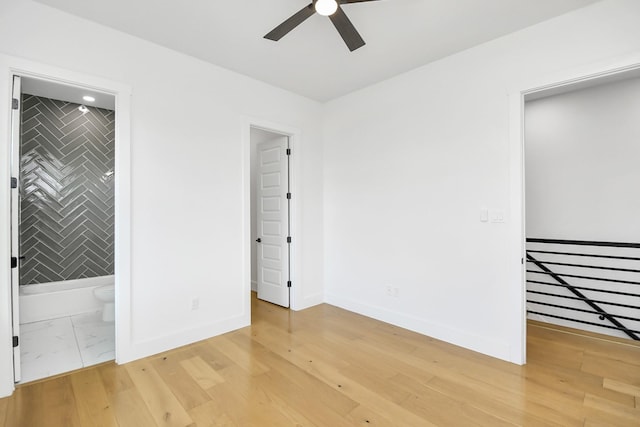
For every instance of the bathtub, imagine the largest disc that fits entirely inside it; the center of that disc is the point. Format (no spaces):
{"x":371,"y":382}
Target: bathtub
{"x":45,"y":301}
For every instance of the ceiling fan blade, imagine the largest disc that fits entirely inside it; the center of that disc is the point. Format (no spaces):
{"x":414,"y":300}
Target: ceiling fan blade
{"x":347,"y":30}
{"x":296,"y":19}
{"x":353,"y":1}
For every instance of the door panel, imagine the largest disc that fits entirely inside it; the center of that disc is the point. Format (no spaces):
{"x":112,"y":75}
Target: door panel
{"x":272,"y":252}
{"x":15,"y":222}
{"x":273,"y":222}
{"x":271,"y":204}
{"x":271,"y":228}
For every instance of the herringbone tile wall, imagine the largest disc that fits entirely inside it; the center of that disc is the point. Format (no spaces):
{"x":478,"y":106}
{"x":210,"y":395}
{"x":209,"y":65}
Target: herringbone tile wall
{"x":66,"y":191}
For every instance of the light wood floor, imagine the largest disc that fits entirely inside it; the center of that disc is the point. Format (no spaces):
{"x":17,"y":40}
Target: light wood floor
{"x":327,"y":367}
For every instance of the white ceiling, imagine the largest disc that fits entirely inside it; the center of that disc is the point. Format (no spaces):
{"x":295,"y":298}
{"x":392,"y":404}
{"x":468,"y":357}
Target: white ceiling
{"x":312,"y":60}
{"x":67,"y":93}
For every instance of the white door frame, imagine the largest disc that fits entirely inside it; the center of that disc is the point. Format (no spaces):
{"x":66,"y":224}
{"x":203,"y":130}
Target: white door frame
{"x":14,"y":237}
{"x":294,"y":134}
{"x":517,"y":228}
{"x":10,"y":66}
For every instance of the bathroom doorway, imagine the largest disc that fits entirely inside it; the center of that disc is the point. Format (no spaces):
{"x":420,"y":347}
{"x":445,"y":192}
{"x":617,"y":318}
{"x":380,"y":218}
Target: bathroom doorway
{"x":270,"y":201}
{"x":63,"y":227}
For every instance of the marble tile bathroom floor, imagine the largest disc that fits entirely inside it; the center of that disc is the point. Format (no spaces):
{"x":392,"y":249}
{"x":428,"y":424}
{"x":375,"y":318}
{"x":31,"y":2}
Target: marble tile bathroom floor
{"x":52,"y":347}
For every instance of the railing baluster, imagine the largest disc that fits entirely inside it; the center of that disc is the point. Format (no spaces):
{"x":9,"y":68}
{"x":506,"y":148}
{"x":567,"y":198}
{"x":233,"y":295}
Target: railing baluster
{"x":557,"y":277}
{"x":604,"y":291}
{"x":583,"y":299}
{"x":584,"y":243}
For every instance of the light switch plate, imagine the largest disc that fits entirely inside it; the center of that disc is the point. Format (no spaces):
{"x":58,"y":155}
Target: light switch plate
{"x":484,"y":215}
{"x":497,"y":216}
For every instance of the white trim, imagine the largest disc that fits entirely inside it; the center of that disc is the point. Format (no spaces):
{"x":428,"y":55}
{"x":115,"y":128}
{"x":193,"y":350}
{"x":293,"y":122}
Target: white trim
{"x":517,"y":227}
{"x":295,"y":137}
{"x":145,"y":347}
{"x":309,"y":301}
{"x":16,"y":129}
{"x":438,"y":331}
{"x":10,"y":66}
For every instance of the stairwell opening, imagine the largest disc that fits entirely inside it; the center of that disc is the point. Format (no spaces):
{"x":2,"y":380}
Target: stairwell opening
{"x":583,"y":239}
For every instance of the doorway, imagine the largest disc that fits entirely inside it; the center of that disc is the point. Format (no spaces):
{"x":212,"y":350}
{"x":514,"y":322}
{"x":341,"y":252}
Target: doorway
{"x":583,"y":238}
{"x":62,"y":227}
{"x":582,"y":265}
{"x":270,"y":201}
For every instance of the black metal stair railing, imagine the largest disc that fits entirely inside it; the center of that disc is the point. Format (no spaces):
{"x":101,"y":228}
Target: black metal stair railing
{"x":617,"y":288}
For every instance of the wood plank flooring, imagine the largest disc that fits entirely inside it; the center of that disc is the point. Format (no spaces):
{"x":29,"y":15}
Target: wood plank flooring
{"x":328,"y":367}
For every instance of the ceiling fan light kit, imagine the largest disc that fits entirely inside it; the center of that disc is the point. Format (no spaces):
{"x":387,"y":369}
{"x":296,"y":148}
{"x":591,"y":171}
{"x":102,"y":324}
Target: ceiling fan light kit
{"x":326,"y":7}
{"x":329,"y":8}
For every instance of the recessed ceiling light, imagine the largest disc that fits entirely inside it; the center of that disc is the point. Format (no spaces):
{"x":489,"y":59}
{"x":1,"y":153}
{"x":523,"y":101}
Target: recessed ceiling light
{"x":88,"y":98}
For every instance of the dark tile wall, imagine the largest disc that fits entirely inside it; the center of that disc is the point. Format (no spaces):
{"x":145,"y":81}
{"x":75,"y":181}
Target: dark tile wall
{"x":66,"y":191}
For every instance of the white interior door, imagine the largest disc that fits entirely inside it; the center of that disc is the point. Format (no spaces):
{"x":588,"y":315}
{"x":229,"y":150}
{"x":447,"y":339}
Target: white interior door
{"x":272,"y":212}
{"x":15,"y":221}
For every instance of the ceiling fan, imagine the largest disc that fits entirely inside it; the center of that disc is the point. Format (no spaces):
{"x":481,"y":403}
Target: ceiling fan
{"x":330,"y":8}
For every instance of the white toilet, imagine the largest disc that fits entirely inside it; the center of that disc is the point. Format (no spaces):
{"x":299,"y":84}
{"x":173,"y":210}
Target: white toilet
{"x":107,"y":294}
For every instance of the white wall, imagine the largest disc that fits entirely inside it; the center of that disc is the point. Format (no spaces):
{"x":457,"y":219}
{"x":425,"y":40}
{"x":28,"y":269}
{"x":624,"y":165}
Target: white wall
{"x":582,"y":174}
{"x":410,"y":162}
{"x":188,"y":119}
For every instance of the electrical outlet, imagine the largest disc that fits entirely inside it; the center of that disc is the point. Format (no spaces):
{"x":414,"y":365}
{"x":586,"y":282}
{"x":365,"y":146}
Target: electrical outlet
{"x":389,"y":290}
{"x":392,"y":291}
{"x":195,"y":303}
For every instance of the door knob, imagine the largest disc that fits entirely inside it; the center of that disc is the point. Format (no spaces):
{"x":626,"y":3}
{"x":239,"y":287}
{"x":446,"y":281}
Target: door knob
{"x":258,"y":240}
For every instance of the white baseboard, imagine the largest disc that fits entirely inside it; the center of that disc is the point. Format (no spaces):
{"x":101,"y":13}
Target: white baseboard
{"x":309,"y":301}
{"x":481,"y":344}
{"x":145,"y":348}
{"x":254,"y":286}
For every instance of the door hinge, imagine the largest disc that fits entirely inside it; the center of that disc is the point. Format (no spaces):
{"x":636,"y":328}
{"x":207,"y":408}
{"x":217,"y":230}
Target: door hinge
{"x":16,"y":342}
{"x":288,"y":239}
{"x":522,"y":261}
{"x":14,"y":262}
{"x":15,"y":104}
{"x":289,"y":196}
{"x":288,"y":151}
{"x":288,"y":283}
{"x":14,"y":182}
